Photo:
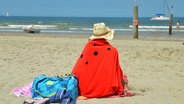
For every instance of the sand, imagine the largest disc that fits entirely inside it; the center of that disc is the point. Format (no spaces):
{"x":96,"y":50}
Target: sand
{"x":155,"y":67}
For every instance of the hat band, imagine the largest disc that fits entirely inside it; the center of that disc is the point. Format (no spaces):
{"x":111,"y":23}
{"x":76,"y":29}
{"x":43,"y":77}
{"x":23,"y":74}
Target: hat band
{"x":101,"y":34}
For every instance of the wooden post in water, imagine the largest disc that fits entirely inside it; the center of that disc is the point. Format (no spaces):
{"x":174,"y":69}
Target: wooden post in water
{"x":170,"y":23}
{"x":135,"y":22}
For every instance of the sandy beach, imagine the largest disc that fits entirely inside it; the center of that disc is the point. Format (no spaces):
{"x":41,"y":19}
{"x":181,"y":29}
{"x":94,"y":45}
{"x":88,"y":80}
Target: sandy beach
{"x":155,"y":67}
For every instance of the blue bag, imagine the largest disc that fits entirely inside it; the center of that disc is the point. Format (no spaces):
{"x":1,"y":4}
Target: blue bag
{"x":44,"y":86}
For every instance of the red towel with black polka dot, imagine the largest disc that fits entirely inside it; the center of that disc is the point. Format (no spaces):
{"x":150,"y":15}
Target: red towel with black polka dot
{"x":98,"y":70}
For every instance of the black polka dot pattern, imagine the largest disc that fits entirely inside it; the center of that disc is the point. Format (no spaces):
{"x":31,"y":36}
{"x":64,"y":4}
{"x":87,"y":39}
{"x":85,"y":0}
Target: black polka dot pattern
{"x":109,"y":49}
{"x":95,"y":53}
{"x":94,"y":44}
{"x":86,"y":62}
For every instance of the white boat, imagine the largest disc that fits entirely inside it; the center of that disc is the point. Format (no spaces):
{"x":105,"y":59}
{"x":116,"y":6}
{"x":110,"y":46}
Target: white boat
{"x":31,"y":29}
{"x":162,"y":16}
{"x":159,"y":17}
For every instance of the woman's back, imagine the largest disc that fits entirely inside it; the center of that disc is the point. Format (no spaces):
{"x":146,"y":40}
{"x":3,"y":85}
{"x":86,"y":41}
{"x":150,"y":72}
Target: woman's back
{"x":98,"y":70}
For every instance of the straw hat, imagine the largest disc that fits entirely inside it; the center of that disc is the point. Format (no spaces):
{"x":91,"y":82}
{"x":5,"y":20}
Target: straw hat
{"x":100,"y":30}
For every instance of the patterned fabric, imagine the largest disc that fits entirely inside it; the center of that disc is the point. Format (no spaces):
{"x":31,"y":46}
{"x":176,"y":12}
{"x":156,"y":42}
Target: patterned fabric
{"x":98,"y":70}
{"x":62,"y":97}
{"x":44,"y":86}
{"x":23,"y":91}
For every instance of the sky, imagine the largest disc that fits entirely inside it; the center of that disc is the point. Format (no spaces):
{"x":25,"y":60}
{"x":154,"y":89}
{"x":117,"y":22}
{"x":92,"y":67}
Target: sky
{"x":88,"y":8}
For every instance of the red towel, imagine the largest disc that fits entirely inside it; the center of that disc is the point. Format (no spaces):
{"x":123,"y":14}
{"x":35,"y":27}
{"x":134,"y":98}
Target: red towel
{"x":98,"y":70}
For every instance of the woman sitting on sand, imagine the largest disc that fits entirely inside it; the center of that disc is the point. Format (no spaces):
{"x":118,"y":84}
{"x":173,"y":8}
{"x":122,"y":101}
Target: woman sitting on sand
{"x":98,"y":69}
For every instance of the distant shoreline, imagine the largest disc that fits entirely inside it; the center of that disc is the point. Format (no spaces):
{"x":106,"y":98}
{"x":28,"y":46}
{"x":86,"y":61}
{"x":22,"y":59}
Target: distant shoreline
{"x":84,"y":16}
{"x":153,"y":36}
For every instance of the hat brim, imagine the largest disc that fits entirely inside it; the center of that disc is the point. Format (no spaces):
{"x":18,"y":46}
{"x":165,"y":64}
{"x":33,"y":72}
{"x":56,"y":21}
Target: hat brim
{"x":108,"y":36}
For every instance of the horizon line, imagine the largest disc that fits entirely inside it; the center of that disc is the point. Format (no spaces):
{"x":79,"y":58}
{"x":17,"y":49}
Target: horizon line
{"x":83,"y":16}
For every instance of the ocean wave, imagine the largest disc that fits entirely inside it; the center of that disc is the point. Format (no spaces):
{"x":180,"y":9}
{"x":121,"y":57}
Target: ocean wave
{"x":91,"y":29}
{"x":155,"y":27}
{"x":80,"y":29}
{"x":21,"y":26}
{"x":64,"y":24}
{"x":88,"y":29}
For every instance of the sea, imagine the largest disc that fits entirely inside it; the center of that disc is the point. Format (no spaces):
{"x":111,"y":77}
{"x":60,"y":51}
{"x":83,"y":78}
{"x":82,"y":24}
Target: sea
{"x":84,"y":25}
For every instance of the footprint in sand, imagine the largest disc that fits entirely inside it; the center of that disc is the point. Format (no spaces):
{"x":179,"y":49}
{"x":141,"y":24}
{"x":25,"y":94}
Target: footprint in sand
{"x":142,"y":90}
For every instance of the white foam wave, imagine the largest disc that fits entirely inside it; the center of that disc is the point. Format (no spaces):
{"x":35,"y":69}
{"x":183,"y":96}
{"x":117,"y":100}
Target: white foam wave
{"x":80,"y":29}
{"x":21,"y":26}
{"x":55,"y":28}
{"x":64,"y":31}
{"x":155,"y":27}
{"x":122,"y":29}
